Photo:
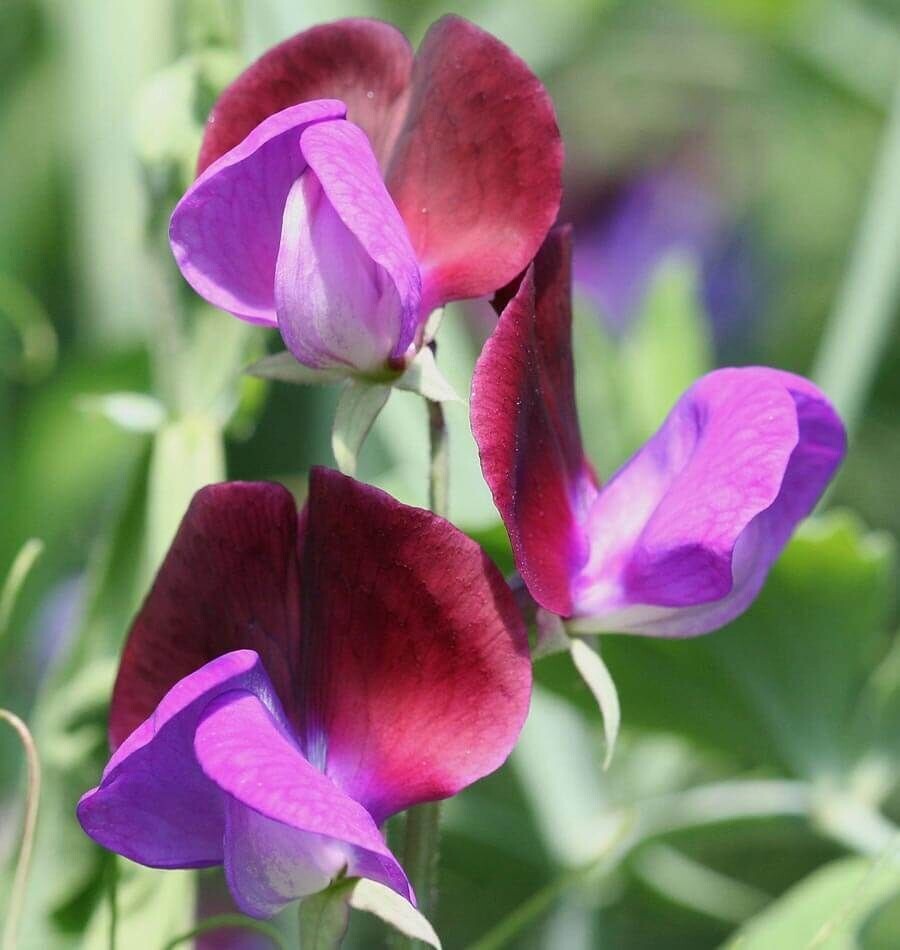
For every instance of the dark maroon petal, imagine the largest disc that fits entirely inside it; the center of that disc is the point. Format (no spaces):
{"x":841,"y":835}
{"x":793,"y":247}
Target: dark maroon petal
{"x":417,"y":674}
{"x":229,"y":582}
{"x":365,"y":63}
{"x":526,"y":426}
{"x":477,"y":165}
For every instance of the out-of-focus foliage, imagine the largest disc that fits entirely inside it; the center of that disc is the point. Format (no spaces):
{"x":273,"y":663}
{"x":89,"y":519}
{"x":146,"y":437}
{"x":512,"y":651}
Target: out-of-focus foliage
{"x":752,"y":798}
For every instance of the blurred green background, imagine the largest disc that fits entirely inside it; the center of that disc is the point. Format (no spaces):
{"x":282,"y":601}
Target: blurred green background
{"x":733,"y":172}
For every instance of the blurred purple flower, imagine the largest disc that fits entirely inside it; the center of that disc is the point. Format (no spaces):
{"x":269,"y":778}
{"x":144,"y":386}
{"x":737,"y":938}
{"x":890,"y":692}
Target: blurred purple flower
{"x":667,"y":211}
{"x":681,"y":538}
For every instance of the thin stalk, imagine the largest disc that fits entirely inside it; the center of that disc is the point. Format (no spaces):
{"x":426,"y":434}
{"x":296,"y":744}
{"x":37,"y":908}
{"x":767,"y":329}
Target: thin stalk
{"x":859,"y":327}
{"x":422,"y":832}
{"x":439,"y":460}
{"x":112,"y":893}
{"x":23,"y":865}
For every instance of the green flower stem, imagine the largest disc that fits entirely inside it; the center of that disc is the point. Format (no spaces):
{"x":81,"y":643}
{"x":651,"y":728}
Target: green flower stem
{"x":422,"y":833}
{"x":23,"y":865}
{"x":860,"y":326}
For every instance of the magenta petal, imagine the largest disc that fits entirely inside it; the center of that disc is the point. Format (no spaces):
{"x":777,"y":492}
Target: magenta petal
{"x":364,"y":63}
{"x":347,"y":285}
{"x":476,"y":171}
{"x":225,"y":231}
{"x":229,"y":581}
{"x":289,"y":829}
{"x":154,"y":805}
{"x":417,"y":653}
{"x":684,"y":535}
{"x":526,"y":426}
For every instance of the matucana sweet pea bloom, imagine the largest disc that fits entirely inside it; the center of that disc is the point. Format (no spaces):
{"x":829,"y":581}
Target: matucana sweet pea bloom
{"x":348,"y":188}
{"x":291,"y":682}
{"x":681,"y":538}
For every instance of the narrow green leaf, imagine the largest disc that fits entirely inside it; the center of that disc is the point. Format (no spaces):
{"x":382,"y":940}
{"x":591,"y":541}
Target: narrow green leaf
{"x":696,"y":886}
{"x":597,"y":677}
{"x":187,"y":454}
{"x":37,"y":337}
{"x":324,"y":917}
{"x":19,"y":569}
{"x":283,"y":367}
{"x":395,"y":911}
{"x":133,"y":412}
{"x":826,"y":910}
{"x":433,"y":324}
{"x":356,"y":412}
{"x":423,"y":377}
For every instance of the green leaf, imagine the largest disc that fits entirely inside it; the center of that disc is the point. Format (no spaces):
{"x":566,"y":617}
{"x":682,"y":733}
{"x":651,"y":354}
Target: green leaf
{"x":217,"y":351}
{"x":324,"y":917}
{"x":668,"y":347}
{"x":31,"y":323}
{"x":423,"y":377}
{"x":357,"y":410}
{"x":187,"y":454}
{"x":15,"y":577}
{"x":283,"y":367}
{"x":881,"y":929}
{"x":394,"y":910}
{"x":596,"y":676}
{"x":133,"y":412}
{"x":826,"y":910}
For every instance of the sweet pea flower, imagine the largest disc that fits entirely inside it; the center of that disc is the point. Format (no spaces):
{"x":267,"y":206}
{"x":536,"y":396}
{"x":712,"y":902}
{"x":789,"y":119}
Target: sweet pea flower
{"x":291,"y":682}
{"x":681,"y":538}
{"x":348,"y":188}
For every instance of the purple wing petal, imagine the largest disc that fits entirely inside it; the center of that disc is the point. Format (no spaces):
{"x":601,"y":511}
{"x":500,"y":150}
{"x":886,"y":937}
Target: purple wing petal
{"x":154,"y":804}
{"x":476,"y":171}
{"x":289,"y":829}
{"x":419,"y":674}
{"x":526,"y":426}
{"x":229,"y":581}
{"x":683,"y":536}
{"x":347,"y":285}
{"x":364,"y":63}
{"x":226,"y":230}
